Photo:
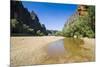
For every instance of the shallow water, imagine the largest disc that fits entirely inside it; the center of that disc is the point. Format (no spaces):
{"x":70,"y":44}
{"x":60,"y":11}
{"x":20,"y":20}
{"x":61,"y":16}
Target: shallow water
{"x":56,"y":48}
{"x":65,"y":45}
{"x":67,"y":50}
{"x":70,"y":50}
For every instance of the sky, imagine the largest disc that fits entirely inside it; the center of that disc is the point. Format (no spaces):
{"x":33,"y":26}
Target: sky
{"x":52,"y":15}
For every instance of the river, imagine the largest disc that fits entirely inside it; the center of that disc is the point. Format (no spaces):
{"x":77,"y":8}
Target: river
{"x":70,"y":50}
{"x":51,"y":50}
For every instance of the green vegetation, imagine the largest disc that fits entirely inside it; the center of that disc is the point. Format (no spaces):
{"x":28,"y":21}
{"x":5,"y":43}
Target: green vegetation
{"x":83,"y":26}
{"x":25,"y":23}
{"x":59,"y":33}
{"x":20,"y":28}
{"x":39,"y":33}
{"x":80,"y":24}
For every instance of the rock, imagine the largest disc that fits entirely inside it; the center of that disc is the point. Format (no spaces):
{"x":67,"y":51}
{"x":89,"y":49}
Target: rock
{"x":24,"y":17}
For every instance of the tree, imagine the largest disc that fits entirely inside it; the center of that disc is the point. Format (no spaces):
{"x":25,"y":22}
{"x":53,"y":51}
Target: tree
{"x":39,"y":33}
{"x":16,"y":26}
{"x":59,"y":33}
{"x":83,"y":26}
{"x":91,"y":11}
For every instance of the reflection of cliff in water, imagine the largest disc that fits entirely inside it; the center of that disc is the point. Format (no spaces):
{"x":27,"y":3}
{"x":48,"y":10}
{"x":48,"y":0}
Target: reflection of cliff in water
{"x":72,"y":45}
{"x":64,"y":45}
{"x":56,"y":48}
{"x":68,"y":50}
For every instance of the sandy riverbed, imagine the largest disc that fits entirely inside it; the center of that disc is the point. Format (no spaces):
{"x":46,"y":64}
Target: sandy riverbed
{"x":27,"y":50}
{"x":30,"y":50}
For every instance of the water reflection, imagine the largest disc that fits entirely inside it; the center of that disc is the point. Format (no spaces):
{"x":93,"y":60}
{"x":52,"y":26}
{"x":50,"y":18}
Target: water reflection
{"x":69,"y":50}
{"x":72,"y":45}
{"x":69,"y":45}
{"x":56,"y":48}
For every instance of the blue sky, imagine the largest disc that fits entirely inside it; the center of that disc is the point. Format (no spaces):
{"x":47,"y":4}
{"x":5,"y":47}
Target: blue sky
{"x":53,"y":15}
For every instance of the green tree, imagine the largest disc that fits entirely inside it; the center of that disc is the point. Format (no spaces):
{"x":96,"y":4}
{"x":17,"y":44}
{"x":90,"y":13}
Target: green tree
{"x":83,"y":26}
{"x":39,"y":33}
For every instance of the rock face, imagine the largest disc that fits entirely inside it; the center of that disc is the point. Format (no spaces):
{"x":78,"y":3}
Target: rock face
{"x":81,"y":23}
{"x":25,"y":18}
{"x":81,"y":11}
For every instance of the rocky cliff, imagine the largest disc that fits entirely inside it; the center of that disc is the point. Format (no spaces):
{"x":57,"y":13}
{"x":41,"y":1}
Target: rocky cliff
{"x":81,"y":11}
{"x":23,"y":19}
{"x":81,"y":23}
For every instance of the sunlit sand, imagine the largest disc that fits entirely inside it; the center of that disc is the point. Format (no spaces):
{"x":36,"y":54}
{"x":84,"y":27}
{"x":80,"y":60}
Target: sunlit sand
{"x":33,"y":50}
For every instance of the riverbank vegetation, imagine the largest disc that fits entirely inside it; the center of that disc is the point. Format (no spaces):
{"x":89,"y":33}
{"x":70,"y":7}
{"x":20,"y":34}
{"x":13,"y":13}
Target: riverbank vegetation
{"x":25,"y":23}
{"x":82,"y":26}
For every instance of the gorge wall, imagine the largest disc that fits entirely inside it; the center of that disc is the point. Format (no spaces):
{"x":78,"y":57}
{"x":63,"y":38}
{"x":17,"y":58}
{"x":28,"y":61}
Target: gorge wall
{"x":81,"y":23}
{"x":81,"y":11}
{"x":23,"y":22}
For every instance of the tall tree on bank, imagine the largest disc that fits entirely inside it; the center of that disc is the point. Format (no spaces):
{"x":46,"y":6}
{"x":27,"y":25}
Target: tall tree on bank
{"x":83,"y":25}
